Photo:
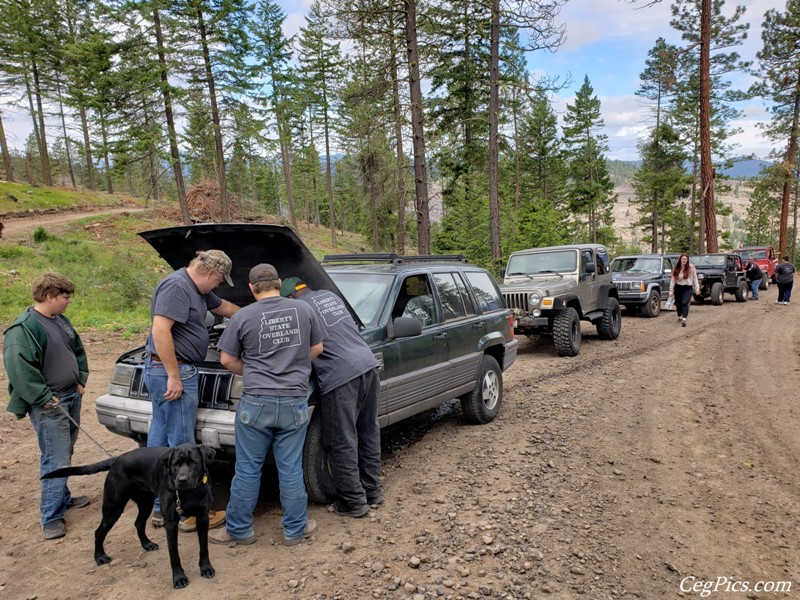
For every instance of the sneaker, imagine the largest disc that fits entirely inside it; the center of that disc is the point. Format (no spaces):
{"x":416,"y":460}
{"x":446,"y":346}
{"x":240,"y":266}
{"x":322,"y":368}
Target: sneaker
{"x":223,"y":537}
{"x":78,"y":502}
{"x":680,"y":319}
{"x":375,"y":500}
{"x":216,"y":518}
{"x":311,"y":529}
{"x":683,"y":322}
{"x":54,"y":529}
{"x":158,"y":519}
{"x":343,"y":510}
{"x":786,"y":303}
{"x":779,"y":302}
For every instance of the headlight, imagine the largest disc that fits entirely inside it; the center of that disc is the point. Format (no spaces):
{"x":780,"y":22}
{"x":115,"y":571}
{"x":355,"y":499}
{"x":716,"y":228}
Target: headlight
{"x":534,"y":299}
{"x":700,"y":276}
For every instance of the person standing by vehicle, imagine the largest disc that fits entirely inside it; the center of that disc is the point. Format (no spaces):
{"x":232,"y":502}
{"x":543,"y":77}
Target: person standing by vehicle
{"x":347,"y":372}
{"x":271,"y":344}
{"x":178,"y":340}
{"x":784,"y":274}
{"x":47,"y":370}
{"x":684,"y":281}
{"x":754,"y":277}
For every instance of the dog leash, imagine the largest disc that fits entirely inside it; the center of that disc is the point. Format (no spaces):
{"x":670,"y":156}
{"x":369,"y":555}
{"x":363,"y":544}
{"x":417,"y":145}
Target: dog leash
{"x":99,"y":445}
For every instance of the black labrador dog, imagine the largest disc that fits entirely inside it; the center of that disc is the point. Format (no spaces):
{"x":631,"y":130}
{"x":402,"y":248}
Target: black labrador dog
{"x":178,"y":476}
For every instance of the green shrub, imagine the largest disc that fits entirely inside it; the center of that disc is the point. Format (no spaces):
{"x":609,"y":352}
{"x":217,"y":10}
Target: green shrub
{"x":41,"y":235}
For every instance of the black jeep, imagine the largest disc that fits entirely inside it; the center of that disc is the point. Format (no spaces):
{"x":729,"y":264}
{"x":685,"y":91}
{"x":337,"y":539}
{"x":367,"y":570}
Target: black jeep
{"x":720,"y":273}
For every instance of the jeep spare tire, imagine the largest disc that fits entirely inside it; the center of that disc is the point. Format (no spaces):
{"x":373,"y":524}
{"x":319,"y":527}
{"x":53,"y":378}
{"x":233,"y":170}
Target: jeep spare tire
{"x":610,"y":324}
{"x":482,"y":404}
{"x":567,"y":332}
{"x":764,"y":282}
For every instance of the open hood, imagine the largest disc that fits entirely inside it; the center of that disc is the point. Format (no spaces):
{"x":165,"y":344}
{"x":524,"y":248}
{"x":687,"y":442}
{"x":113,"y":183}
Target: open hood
{"x":247,"y":244}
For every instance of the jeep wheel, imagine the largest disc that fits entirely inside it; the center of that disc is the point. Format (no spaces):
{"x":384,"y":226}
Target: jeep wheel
{"x":567,"y":332}
{"x":764,"y":282}
{"x":741,"y":292}
{"x":652,"y":305}
{"x":610,"y":324}
{"x":482,"y":404}
{"x":317,"y":474}
{"x":717,"y":291}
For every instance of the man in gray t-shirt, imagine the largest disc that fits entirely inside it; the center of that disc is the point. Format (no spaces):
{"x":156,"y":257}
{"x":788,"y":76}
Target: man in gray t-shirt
{"x":271,"y":344}
{"x":347,"y":372}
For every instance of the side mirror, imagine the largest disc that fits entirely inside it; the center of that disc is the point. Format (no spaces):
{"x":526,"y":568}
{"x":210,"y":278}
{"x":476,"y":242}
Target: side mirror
{"x":591,"y":267}
{"x":404,"y":327}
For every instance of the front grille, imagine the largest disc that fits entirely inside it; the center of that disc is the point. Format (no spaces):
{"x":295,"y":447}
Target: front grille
{"x":213,"y":389}
{"x":516,"y":300}
{"x":629,"y":286}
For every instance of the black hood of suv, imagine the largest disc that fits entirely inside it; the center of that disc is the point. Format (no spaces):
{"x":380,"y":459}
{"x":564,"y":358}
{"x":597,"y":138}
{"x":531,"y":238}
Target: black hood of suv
{"x":247,"y":244}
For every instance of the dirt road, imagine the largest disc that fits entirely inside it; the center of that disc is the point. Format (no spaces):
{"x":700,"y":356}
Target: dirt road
{"x":22,"y":226}
{"x":639,"y":469}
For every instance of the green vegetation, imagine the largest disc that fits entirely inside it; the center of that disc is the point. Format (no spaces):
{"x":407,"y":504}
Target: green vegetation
{"x":21,"y":197}
{"x":113,"y":269}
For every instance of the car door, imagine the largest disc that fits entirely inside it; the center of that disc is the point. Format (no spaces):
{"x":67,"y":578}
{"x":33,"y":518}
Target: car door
{"x":589,"y":281}
{"x":415,"y":368}
{"x":730,"y":272}
{"x":464,"y":329}
{"x":666,"y":275}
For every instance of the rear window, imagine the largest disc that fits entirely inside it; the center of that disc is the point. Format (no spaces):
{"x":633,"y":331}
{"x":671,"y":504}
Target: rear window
{"x":486,"y":292}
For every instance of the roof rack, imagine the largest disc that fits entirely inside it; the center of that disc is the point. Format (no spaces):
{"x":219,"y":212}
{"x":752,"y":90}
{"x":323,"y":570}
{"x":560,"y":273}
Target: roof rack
{"x":392,"y":258}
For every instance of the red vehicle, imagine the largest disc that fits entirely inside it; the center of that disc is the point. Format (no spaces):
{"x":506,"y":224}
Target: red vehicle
{"x":765,"y":258}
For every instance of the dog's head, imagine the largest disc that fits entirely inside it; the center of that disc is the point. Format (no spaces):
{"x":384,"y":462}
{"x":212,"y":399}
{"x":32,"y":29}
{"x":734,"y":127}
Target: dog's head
{"x":188,"y":465}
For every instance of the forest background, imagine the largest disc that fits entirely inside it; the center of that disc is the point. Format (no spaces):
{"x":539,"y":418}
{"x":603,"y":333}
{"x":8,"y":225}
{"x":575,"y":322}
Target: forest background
{"x":429,"y":133}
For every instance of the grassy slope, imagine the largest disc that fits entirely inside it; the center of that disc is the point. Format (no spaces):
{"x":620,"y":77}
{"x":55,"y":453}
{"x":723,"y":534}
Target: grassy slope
{"x":113,"y":269}
{"x":30,"y":198}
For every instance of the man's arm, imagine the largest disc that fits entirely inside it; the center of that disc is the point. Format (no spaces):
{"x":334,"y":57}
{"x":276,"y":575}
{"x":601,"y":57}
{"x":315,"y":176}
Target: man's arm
{"x":226,"y":309}
{"x":316,"y":350}
{"x":234,"y":364}
{"x":165,"y":348}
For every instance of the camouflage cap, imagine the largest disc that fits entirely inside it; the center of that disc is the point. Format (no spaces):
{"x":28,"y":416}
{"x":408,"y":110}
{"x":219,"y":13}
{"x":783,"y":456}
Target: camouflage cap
{"x":218,"y":261}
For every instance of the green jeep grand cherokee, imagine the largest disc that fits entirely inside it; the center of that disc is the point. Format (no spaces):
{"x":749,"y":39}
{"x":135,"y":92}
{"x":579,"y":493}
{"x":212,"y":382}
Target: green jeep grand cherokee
{"x":438,"y":325}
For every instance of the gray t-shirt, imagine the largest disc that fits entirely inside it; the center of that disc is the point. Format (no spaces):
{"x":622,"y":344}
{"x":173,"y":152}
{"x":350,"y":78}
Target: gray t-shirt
{"x":273,"y":337}
{"x":60,"y":367}
{"x":345,"y":354}
{"x":177,"y":298}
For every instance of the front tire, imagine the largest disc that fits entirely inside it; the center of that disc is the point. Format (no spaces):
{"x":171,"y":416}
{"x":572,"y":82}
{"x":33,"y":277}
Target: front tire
{"x":316,"y":472}
{"x":610,"y":324}
{"x":741,"y":292}
{"x":652,"y":306}
{"x":482,"y":404}
{"x":717,"y":291}
{"x":764,"y":282}
{"x":567,"y":332}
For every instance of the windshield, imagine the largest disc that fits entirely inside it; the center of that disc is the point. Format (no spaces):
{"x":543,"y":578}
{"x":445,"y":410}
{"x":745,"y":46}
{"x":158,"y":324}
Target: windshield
{"x":366,"y":292}
{"x":636,"y":265}
{"x":754,"y":254}
{"x":558,"y":261}
{"x":708,"y":260}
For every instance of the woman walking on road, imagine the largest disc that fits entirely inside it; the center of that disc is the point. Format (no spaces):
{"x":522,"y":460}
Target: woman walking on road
{"x":683,"y":282}
{"x":784,"y":273}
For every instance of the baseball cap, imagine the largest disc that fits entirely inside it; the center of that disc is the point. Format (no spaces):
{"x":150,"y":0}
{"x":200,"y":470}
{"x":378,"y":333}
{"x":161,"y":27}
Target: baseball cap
{"x":291,"y":285}
{"x":263,"y":272}
{"x":218,"y":261}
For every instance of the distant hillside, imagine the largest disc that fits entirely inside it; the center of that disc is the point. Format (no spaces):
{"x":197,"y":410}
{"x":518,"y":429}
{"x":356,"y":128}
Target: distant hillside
{"x":743,"y":168}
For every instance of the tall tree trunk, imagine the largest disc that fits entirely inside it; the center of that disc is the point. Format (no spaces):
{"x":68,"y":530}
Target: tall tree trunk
{"x":106,"y":158}
{"x":494,"y":117}
{"x":287,"y":170}
{"x":173,"y":136}
{"x":400,"y":241}
{"x":788,"y":175}
{"x":47,"y":177}
{"x":87,"y":150}
{"x":328,"y":175}
{"x":706,"y":166}
{"x":215,"y":120}
{"x":66,"y":136}
{"x":517,"y":153}
{"x":8,"y":167}
{"x":418,"y":131}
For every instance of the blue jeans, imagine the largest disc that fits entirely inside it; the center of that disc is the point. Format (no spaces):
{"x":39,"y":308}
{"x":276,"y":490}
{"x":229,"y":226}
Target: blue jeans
{"x":173,"y":421}
{"x":754,"y":285}
{"x":262,"y":422}
{"x":57,"y":436}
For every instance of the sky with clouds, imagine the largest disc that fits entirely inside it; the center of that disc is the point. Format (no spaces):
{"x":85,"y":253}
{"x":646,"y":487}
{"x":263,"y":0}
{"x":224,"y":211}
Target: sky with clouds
{"x":606,"y":40}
